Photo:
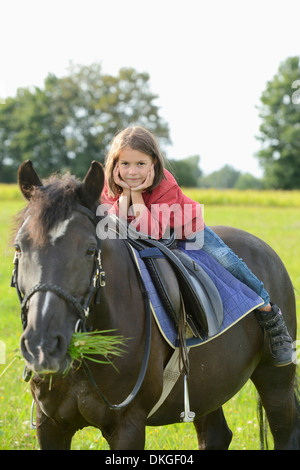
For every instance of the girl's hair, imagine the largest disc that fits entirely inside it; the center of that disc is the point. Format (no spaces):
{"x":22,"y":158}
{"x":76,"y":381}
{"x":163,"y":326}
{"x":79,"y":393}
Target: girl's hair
{"x":139,"y":139}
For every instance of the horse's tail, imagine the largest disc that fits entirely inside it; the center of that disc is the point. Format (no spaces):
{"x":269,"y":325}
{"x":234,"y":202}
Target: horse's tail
{"x":263,"y":425}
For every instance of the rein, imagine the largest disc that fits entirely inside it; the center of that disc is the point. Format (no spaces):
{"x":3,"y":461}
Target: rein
{"x":97,"y":282}
{"x":144,"y":366}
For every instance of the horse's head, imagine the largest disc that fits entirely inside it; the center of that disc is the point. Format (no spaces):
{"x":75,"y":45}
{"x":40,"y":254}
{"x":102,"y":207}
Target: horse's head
{"x":56,"y":252}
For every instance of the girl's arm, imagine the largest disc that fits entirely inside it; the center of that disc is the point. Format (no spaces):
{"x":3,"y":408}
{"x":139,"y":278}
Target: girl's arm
{"x":171,"y":210}
{"x":137,"y":200}
{"x":159,"y":217}
{"x":125,"y":198}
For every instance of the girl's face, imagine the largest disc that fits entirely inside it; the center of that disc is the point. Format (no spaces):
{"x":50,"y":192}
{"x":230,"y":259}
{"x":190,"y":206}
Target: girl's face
{"x":134,"y":166}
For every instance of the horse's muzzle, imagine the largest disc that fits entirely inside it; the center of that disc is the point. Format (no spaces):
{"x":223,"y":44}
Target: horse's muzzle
{"x":44,"y":357}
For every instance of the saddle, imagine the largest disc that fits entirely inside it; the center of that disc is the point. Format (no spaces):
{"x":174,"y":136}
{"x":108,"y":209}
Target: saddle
{"x":202,"y":301}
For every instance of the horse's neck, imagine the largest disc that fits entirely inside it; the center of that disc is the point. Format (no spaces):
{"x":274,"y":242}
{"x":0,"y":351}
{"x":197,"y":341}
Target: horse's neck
{"x":121,"y":295}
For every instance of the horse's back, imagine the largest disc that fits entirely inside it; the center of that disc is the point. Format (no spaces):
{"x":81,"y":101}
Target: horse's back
{"x":265,"y":263}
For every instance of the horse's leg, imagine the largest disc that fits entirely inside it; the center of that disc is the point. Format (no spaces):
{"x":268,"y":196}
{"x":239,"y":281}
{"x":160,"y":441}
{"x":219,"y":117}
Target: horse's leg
{"x":126,"y":434}
{"x":50,"y":435}
{"x":276,"y":388}
{"x":213,"y":432}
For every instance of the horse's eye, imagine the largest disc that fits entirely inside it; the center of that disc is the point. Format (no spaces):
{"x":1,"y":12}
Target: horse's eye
{"x":91,"y":251}
{"x":18,"y":250}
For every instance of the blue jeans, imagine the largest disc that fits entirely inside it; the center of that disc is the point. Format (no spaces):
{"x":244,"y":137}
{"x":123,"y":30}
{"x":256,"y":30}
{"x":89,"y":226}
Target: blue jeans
{"x":215,"y":247}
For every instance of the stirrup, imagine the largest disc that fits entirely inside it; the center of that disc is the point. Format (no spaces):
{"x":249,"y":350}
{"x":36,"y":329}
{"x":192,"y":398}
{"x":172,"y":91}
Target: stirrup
{"x":187,"y":416}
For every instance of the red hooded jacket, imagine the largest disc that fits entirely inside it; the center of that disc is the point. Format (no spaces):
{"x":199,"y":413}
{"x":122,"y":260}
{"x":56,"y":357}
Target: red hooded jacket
{"x":166,"y":208}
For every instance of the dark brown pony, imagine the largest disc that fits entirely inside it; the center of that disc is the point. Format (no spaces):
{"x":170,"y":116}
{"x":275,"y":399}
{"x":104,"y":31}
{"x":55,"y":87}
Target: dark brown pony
{"x":56,"y":245}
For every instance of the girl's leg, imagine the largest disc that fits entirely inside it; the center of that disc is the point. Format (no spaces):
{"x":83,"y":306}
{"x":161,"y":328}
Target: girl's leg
{"x":215,"y":247}
{"x":269,"y":315}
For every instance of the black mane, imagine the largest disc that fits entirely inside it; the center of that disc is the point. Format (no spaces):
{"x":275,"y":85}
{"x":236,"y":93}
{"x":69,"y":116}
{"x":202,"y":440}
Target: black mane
{"x":50,"y":204}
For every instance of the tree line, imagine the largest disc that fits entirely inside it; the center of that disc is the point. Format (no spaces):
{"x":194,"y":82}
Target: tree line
{"x":71,"y":120}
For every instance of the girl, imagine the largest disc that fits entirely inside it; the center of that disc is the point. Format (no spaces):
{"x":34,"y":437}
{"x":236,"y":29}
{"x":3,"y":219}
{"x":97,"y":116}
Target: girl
{"x":140,"y":189}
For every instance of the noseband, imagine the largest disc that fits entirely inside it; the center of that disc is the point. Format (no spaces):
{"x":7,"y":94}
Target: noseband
{"x":97,"y":281}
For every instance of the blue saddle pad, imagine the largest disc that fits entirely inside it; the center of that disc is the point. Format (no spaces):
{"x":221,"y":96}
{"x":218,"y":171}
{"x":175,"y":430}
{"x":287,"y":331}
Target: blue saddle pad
{"x":238,"y":299}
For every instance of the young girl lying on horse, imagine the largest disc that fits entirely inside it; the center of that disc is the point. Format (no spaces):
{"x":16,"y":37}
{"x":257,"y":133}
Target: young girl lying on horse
{"x":144,"y":192}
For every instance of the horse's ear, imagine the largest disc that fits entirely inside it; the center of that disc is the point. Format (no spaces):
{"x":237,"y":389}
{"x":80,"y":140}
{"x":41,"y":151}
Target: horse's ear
{"x":28,"y":179}
{"x":93,"y":183}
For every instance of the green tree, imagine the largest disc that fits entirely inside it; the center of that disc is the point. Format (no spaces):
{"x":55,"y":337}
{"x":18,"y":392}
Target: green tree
{"x":224,"y":178}
{"x":71,"y":120}
{"x":248,"y":181}
{"x":186,"y":171}
{"x":280,"y":128}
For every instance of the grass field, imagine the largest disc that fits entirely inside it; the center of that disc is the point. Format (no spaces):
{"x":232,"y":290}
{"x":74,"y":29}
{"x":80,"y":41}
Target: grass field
{"x":273,"y":216}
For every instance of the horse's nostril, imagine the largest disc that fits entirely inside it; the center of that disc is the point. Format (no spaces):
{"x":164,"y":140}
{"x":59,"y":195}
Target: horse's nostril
{"x":24,"y":346}
{"x":57,"y":346}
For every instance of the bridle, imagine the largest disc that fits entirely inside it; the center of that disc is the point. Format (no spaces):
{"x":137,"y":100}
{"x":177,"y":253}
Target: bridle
{"x":98,"y":281}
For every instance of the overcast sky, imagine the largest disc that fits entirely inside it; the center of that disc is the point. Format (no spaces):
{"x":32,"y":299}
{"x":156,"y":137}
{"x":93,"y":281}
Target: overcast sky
{"x":208,"y":61}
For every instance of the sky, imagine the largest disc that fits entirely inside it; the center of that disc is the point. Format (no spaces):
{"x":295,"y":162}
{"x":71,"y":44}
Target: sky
{"x":208,"y":61}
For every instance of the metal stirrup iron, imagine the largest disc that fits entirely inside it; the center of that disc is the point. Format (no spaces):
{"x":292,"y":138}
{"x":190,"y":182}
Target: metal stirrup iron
{"x":187,"y":416}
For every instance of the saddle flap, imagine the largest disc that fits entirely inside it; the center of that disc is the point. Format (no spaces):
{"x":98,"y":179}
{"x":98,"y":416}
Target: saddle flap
{"x":202,"y":301}
{"x":164,"y":279}
{"x":206,"y":291}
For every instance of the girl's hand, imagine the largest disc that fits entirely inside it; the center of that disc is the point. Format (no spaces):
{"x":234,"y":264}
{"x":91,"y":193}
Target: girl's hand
{"x":118,"y":180}
{"x":148,"y":181}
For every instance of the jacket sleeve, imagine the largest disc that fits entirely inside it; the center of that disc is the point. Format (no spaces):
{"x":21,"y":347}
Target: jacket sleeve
{"x":111,"y":203}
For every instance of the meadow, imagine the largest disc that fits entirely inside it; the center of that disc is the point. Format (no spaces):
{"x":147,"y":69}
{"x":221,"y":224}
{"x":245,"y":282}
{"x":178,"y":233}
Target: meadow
{"x":271,"y":215}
